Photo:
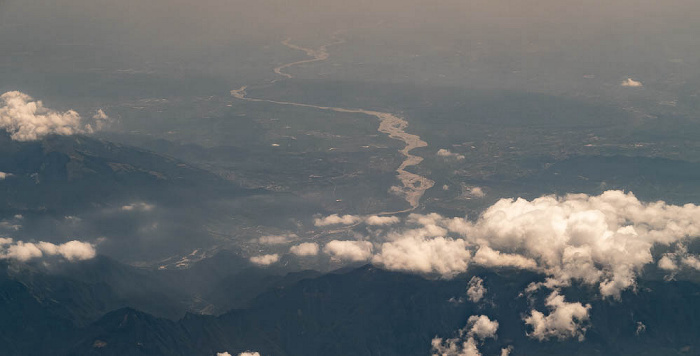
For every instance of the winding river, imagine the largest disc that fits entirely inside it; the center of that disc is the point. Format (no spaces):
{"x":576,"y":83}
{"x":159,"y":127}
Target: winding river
{"x":319,"y":54}
{"x":413,"y":186}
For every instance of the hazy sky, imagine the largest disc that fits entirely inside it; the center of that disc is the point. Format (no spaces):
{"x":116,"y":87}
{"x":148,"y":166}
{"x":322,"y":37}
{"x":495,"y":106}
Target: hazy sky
{"x":181,"y":25}
{"x":51,"y":49}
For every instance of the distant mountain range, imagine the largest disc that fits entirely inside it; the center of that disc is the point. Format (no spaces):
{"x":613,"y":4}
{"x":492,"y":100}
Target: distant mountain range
{"x":363,"y":311}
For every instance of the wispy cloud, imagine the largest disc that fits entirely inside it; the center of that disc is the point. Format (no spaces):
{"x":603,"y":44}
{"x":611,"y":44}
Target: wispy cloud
{"x":276,"y":239}
{"x":138,"y":206}
{"x":445,"y":153}
{"x":629,"y":82}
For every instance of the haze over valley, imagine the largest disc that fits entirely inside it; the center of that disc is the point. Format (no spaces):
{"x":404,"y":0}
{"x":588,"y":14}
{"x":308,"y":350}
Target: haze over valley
{"x":450,"y":178}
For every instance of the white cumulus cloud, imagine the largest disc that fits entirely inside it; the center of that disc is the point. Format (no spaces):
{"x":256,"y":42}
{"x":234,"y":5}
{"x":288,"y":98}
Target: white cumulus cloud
{"x":375,"y":220}
{"x":100,"y":115}
{"x":276,"y":239}
{"x":25,"y":251}
{"x":417,"y":253}
{"x":455,"y":347}
{"x":99,"y":121}
{"x":265,"y":260}
{"x":692,"y":261}
{"x":673,"y":261}
{"x":336,"y":219}
{"x":476,"y":192}
{"x":476,"y":290}
{"x":506,"y":351}
{"x":601,"y":240}
{"x":666,"y":263}
{"x":352,"y":251}
{"x":482,"y":327}
{"x":26,"y":119}
{"x":488,"y":257}
{"x":305,"y":249}
{"x":565,"y":320}
{"x":478,"y":328}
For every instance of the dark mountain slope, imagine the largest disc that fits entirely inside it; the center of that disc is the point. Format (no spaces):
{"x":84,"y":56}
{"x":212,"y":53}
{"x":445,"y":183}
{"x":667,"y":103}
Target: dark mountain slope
{"x":144,"y":207}
{"x":369,"y":311}
{"x":28,"y":323}
{"x":365,"y":311}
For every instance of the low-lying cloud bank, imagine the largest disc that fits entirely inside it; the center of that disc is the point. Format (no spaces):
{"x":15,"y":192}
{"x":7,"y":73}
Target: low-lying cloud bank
{"x":25,"y":251}
{"x":602,"y":240}
{"x":26,"y":119}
